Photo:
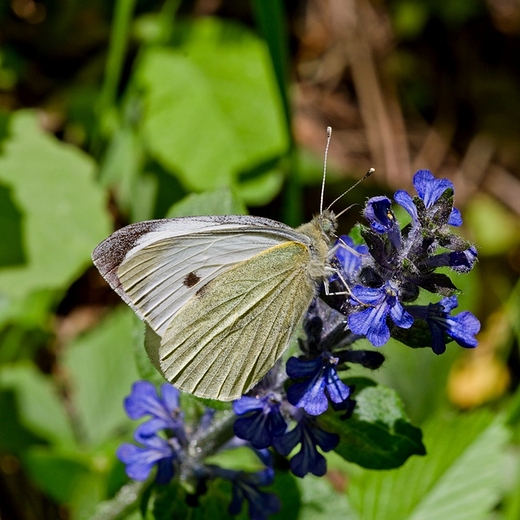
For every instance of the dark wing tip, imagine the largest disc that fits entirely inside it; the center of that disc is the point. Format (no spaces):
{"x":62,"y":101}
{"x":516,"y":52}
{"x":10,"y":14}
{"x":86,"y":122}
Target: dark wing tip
{"x":110,"y":253}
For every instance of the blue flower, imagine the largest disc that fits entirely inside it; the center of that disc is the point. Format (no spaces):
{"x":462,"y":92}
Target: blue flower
{"x":246,"y":487}
{"x":262,"y":420}
{"x":321,"y":381}
{"x":429,"y":190}
{"x":309,"y":436}
{"x":165,"y":412}
{"x":460,"y":261}
{"x":462,"y":328}
{"x":139,"y":461}
{"x":381,"y":302}
{"x":349,"y":256}
{"x":378,"y":212}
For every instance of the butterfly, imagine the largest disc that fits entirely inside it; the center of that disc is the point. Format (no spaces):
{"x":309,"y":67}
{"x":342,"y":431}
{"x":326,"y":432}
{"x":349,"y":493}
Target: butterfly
{"x":222,"y":294}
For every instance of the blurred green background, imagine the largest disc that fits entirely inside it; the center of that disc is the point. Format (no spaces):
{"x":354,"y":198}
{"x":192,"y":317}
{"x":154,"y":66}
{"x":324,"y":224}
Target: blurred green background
{"x":114,"y":112}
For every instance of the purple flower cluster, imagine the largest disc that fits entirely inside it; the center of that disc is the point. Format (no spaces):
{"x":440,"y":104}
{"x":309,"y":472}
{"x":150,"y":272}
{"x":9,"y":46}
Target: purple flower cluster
{"x":155,"y":450}
{"x":164,"y":443}
{"x":401,"y":263}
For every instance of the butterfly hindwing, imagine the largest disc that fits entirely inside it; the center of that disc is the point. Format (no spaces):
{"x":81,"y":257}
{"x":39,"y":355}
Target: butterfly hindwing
{"x":232,"y":331}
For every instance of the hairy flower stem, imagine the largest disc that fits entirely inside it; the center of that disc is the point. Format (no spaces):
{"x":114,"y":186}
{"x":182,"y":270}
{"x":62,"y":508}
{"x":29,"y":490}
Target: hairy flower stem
{"x":210,"y":440}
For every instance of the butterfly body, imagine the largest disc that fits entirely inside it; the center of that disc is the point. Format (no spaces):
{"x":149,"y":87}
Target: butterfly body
{"x":223,"y":294}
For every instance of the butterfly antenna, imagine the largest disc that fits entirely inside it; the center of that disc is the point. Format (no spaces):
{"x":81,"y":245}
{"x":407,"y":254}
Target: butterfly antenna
{"x":347,"y":209}
{"x":329,"y":135}
{"x":367,"y":174}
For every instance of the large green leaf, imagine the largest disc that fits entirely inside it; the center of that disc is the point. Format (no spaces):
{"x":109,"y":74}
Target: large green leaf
{"x":39,"y":407}
{"x":60,"y":208}
{"x":320,"y":501}
{"x":212,"y":107}
{"x":379,"y":434}
{"x":460,"y":478}
{"x":102,"y":369}
{"x":221,"y":201}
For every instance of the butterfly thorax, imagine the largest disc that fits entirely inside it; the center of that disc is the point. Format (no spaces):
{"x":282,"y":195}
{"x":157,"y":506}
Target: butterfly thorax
{"x":320,"y":230}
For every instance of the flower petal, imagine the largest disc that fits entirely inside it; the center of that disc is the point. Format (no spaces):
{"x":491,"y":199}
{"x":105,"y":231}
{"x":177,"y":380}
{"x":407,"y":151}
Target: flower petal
{"x":401,"y":317}
{"x":405,"y":200}
{"x":455,"y":218}
{"x":429,"y":188}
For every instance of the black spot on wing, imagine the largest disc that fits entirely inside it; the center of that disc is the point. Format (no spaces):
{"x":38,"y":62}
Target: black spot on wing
{"x":191,"y":279}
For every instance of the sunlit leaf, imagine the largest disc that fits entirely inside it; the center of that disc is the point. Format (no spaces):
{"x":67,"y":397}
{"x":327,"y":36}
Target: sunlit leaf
{"x":460,"y":478}
{"x":63,"y":210}
{"x":218,"y":202}
{"x":379,"y":434}
{"x":211,"y":105}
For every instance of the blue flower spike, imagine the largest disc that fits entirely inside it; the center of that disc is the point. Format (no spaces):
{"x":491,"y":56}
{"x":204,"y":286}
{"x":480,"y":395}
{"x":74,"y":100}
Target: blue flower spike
{"x":378,"y":280}
{"x":321,"y":383}
{"x":246,"y":487}
{"x":459,"y":261}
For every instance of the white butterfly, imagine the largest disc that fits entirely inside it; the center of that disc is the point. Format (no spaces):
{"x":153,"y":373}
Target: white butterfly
{"x":223,"y":293}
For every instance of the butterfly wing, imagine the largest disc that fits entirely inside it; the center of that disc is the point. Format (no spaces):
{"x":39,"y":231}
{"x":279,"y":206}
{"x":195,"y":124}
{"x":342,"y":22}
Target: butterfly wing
{"x":157,"y":266}
{"x":232,"y":331}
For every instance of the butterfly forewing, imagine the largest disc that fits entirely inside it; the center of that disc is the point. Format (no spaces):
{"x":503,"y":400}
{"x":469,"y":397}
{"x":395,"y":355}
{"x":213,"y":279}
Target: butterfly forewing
{"x":157,"y":266}
{"x":235,"y":327}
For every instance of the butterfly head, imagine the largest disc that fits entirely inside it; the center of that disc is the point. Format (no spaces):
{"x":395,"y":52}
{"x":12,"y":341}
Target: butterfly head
{"x":327,"y":223}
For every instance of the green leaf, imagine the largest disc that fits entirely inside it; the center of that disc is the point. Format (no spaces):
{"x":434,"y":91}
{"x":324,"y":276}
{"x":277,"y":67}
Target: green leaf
{"x":212,"y":107}
{"x":460,"y":478}
{"x":89,"y":491}
{"x":52,"y":185}
{"x":286,"y":487}
{"x":320,"y":501}
{"x":12,"y":251}
{"x":58,"y":475}
{"x":121,"y":168}
{"x":15,"y":437}
{"x":170,"y":502}
{"x":261,"y":189}
{"x":418,"y":376}
{"x":379,"y":434}
{"x":39,"y":407}
{"x":102,"y":367}
{"x":270,"y":18}
{"x":218,"y":202}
